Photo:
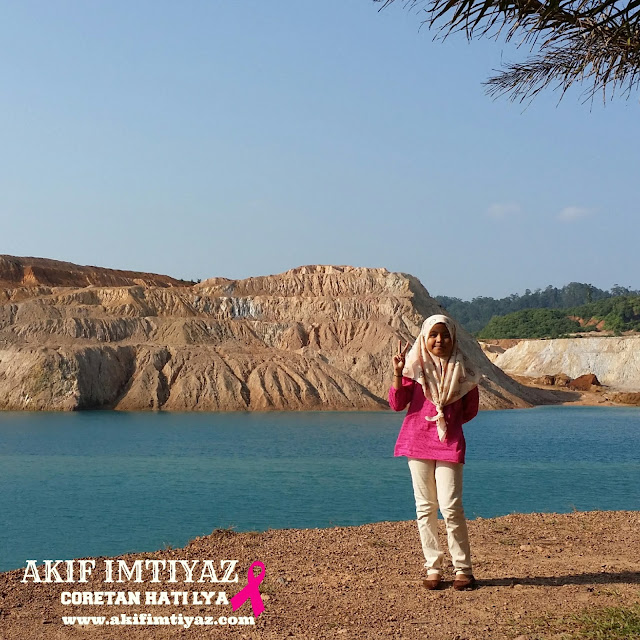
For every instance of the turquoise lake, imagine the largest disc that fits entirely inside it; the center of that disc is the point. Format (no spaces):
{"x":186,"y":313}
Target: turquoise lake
{"x":106,"y":483}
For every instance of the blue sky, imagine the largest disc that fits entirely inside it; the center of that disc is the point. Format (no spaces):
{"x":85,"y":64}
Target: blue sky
{"x":218,"y":138}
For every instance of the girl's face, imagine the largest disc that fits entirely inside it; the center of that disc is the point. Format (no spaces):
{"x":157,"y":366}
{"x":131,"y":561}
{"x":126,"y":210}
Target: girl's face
{"x":439,"y":341}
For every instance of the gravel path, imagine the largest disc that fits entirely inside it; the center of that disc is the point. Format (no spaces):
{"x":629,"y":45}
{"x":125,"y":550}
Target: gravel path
{"x":535,"y":572}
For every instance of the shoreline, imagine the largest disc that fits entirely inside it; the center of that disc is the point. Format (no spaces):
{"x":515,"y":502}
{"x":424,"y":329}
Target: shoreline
{"x":586,"y":399}
{"x":232,"y":530}
{"x":365,"y":581}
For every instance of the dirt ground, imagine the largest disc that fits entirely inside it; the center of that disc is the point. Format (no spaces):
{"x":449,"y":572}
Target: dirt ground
{"x":598,"y":396}
{"x":535,"y":573}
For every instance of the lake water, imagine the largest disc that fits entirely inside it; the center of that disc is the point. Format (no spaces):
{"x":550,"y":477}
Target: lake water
{"x":105,"y":483}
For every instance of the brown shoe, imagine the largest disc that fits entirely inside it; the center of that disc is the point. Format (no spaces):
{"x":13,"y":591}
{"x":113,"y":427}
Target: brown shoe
{"x":433,"y":582}
{"x":464,"y":583}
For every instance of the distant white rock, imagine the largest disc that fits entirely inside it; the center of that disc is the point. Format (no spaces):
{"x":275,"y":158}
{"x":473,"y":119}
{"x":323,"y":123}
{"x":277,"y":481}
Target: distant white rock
{"x":615,"y":361}
{"x":492,"y":351}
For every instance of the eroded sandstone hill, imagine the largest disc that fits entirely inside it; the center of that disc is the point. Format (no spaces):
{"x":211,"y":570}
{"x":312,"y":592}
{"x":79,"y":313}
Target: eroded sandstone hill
{"x":316,"y":337}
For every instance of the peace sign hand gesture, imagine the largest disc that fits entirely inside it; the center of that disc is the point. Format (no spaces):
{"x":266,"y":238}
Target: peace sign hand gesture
{"x":399,"y":358}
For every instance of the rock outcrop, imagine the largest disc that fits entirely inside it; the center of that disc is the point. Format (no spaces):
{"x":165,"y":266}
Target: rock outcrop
{"x":317,"y":337}
{"x":615,"y":361}
{"x":492,"y":351}
{"x":585,"y":382}
{"x":627,"y":398}
{"x":558,"y":380}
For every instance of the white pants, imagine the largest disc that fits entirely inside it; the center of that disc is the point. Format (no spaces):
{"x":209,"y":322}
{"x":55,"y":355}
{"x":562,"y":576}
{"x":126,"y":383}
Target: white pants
{"x":437,"y":483}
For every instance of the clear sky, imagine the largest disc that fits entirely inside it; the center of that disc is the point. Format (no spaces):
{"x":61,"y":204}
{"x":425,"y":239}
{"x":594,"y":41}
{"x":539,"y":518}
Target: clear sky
{"x":221,"y":138}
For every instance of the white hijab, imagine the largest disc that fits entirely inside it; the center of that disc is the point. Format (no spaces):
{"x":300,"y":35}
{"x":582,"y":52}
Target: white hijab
{"x":443,"y":381}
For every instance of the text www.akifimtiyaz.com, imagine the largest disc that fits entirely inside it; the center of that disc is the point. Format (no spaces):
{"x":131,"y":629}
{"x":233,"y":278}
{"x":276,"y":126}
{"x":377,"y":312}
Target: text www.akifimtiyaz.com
{"x":146,"y":619}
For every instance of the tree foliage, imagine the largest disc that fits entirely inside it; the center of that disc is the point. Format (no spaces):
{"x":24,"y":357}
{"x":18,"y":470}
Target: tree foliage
{"x":619,"y":313}
{"x":530,"y":323}
{"x":597,"y":41}
{"x":475,"y":314}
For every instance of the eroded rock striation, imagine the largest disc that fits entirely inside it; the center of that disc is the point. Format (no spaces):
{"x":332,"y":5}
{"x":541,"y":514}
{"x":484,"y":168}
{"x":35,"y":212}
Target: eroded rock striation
{"x":315,"y":337}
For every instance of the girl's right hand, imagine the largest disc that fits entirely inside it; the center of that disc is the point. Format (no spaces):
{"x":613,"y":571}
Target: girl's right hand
{"x":399,"y":358}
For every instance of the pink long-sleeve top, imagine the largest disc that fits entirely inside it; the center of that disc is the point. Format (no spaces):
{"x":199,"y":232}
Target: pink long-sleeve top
{"x":418,"y":438}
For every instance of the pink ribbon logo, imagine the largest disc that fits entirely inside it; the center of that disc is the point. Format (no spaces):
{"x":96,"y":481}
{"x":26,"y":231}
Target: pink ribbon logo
{"x":251,"y":591}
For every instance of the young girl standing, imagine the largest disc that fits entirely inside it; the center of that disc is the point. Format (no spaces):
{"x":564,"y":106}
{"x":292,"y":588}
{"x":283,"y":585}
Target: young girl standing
{"x":440,"y":385}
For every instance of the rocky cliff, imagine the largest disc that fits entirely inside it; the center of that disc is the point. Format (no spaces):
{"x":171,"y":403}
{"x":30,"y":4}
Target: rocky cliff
{"x":615,"y":361}
{"x":317,"y":337}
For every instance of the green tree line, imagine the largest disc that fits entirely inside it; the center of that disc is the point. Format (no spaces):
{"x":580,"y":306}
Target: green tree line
{"x":619,"y":313}
{"x":474,"y":315}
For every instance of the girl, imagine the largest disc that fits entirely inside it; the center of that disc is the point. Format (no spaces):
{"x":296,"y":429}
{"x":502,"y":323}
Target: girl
{"x":440,"y":386}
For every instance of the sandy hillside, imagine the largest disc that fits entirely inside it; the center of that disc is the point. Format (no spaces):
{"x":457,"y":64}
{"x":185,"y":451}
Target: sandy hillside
{"x":536,"y":573}
{"x":314,"y":337}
